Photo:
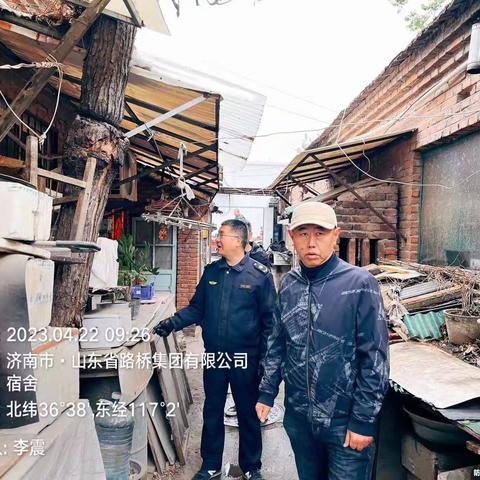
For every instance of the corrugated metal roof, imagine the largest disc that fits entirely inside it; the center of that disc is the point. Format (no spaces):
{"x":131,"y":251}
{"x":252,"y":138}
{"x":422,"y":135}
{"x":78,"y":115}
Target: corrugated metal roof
{"x":425,"y":325}
{"x":241,"y":109}
{"x":422,"y":289}
{"x":147,"y":97}
{"x":305,"y":167}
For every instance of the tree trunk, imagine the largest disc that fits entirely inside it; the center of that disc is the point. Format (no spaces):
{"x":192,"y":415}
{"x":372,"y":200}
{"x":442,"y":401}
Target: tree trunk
{"x":93,"y":134}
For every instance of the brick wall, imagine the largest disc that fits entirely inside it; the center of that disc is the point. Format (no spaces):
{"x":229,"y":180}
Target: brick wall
{"x":422,"y":84}
{"x":362,"y":229}
{"x":188,"y":268}
{"x":425,"y":87}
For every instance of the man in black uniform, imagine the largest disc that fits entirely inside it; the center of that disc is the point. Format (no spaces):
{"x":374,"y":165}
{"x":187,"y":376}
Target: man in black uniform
{"x":233,"y":303}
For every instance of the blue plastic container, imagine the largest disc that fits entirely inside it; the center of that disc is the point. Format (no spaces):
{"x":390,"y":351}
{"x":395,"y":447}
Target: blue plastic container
{"x":148,"y":291}
{"x":136,"y":291}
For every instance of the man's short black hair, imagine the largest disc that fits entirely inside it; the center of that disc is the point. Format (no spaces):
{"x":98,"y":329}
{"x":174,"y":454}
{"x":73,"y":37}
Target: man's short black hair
{"x":238,"y":228}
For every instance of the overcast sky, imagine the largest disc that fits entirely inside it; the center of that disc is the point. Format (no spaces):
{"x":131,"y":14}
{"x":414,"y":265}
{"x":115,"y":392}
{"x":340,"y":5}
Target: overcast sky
{"x":309,"y":57}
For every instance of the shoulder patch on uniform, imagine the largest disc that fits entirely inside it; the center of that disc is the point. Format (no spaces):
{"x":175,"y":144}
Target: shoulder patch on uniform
{"x":261,"y":267}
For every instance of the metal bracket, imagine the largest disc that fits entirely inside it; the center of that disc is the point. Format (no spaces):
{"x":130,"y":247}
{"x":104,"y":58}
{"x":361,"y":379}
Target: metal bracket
{"x":166,"y":116}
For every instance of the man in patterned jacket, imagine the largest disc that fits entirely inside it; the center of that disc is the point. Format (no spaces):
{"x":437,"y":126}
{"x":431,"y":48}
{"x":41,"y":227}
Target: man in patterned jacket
{"x":330,"y":346}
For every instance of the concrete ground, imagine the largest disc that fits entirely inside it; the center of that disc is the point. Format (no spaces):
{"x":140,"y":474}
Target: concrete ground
{"x":278,"y":461}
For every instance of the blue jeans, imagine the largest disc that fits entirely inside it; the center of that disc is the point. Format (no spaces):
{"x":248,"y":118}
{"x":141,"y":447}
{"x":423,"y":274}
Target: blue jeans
{"x":320,"y":454}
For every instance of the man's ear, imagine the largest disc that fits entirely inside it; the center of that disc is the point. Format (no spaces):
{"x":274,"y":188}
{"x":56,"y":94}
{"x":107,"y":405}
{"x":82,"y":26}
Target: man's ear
{"x":290,"y":234}
{"x":338,"y":231}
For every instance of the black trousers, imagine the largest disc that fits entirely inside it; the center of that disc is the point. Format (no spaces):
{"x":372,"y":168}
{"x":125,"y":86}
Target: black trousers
{"x":244,"y":385}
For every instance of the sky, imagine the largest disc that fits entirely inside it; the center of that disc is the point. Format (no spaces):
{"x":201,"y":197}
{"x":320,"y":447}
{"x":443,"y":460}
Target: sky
{"x":310,"y":58}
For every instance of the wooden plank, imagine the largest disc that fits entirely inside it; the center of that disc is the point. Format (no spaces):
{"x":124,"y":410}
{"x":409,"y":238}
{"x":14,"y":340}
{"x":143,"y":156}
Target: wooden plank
{"x":63,"y":200}
{"x":169,"y":393}
{"x":154,"y":399}
{"x":72,"y":260}
{"x":283,"y":197}
{"x":336,"y":192}
{"x":184,"y":379}
{"x":132,"y":10}
{"x":365,"y":252}
{"x":433,"y":298}
{"x":352,"y":190}
{"x":40,"y":79}
{"x":60,"y":178}
{"x":352,"y":251}
{"x":81,"y":210}
{"x":170,"y":348}
{"x":12,"y":246}
{"x":31,"y":163}
{"x":155,"y":446}
{"x":9,"y":162}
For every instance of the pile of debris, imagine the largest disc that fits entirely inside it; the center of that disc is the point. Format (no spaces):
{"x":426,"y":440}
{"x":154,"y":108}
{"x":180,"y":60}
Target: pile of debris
{"x":52,"y":11}
{"x":426,"y":303}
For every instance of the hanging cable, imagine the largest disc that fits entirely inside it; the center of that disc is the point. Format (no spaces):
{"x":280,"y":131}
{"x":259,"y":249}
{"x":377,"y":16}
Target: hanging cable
{"x":41,"y":137}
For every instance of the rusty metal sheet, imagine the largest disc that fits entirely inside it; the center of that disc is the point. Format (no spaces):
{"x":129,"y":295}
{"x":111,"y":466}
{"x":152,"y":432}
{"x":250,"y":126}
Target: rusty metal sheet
{"x":432,"y":375}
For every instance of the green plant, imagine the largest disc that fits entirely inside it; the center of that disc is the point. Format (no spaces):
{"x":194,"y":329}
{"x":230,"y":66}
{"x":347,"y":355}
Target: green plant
{"x":126,"y":252}
{"x":131,"y":262}
{"x":152,"y":270}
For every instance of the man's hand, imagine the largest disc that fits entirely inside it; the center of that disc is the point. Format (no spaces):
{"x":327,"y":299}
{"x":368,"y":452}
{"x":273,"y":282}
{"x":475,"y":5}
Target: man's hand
{"x":164,"y":328}
{"x":262,"y":411}
{"x":356,"y":441}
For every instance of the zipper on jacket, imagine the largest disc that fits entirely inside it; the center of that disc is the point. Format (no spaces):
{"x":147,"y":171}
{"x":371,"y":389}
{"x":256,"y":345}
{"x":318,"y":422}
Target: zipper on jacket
{"x":310,"y":413}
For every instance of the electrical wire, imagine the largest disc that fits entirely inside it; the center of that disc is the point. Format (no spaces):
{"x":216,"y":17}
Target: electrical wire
{"x":41,"y":137}
{"x":411,"y":184}
{"x":240,"y":136}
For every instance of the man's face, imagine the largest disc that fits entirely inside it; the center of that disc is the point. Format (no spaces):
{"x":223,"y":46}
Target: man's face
{"x":313,"y":244}
{"x":228,"y":242}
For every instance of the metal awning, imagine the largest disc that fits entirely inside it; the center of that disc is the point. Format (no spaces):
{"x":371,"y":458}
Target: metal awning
{"x":146,"y":98}
{"x":305,"y":167}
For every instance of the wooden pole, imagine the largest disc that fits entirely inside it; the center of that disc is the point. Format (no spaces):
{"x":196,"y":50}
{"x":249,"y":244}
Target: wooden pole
{"x":81,"y":209}
{"x":31,"y":160}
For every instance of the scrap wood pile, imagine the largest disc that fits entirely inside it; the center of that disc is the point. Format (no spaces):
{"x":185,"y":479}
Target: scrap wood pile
{"x":434,"y":304}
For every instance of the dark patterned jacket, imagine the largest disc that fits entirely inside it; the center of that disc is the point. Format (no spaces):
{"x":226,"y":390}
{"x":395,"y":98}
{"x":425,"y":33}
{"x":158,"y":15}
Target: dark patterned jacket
{"x":330,"y":345}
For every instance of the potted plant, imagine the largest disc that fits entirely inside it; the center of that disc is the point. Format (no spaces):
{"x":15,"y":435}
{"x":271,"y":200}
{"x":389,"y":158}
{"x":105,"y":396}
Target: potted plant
{"x":130,"y":259}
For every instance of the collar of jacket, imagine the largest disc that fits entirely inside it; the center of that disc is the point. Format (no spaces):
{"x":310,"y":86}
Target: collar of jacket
{"x":238,"y":267}
{"x":324,"y":270}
